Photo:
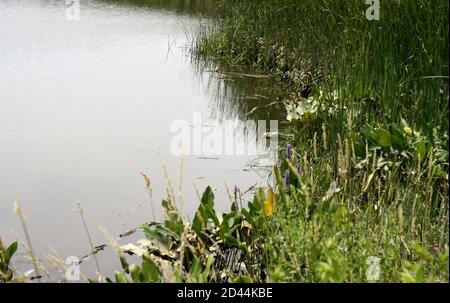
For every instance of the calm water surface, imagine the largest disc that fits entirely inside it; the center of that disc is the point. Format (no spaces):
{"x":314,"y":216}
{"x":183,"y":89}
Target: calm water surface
{"x":84,"y":107}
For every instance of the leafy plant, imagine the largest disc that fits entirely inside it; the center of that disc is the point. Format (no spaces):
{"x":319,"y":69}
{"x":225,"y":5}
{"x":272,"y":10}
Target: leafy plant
{"x":6,"y":253}
{"x":216,"y":247}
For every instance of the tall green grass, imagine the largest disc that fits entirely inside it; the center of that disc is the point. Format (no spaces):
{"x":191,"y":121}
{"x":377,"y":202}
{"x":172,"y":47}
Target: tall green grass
{"x":397,"y":66}
{"x":371,"y":140}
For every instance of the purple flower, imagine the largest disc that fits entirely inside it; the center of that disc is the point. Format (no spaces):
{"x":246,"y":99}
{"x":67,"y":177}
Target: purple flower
{"x":289,"y":152}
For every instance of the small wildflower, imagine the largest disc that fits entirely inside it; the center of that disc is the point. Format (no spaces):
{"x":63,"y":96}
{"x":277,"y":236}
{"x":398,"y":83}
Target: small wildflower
{"x":289,"y":152}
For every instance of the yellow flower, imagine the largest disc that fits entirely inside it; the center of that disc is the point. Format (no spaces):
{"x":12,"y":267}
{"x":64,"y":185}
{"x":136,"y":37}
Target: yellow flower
{"x":270,"y":203}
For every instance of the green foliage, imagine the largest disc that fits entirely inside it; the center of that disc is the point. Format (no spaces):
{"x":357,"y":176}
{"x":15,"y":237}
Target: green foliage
{"x":6,"y":253}
{"x":402,"y":147}
{"x":216,"y":248}
{"x":434,"y":263}
{"x":325,"y":235}
{"x":369,"y":118}
{"x":391,"y":68}
{"x":205,"y":212}
{"x":147,"y":272}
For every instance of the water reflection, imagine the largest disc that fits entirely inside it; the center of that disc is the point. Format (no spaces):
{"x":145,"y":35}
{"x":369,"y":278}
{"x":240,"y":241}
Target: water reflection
{"x":85,"y":105}
{"x":194,"y":7}
{"x":244,"y":95}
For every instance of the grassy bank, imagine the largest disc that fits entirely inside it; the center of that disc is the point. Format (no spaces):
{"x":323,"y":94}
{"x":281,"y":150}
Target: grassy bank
{"x":369,"y":120}
{"x":363,"y":168}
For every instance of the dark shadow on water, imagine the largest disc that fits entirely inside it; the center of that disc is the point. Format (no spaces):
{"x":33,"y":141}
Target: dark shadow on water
{"x":241,"y":94}
{"x":189,"y":7}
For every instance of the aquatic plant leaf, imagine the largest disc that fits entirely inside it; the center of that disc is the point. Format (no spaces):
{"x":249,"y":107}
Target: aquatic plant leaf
{"x":256,"y":205}
{"x":160,"y":234}
{"x":367,"y":131}
{"x":11,"y":249}
{"x":176,"y":226}
{"x":205,"y":212}
{"x":226,"y":234}
{"x":248,"y":216}
{"x":383,"y":138}
{"x":174,"y":221}
{"x":421,"y":150}
{"x":150,"y":271}
{"x":398,"y":137}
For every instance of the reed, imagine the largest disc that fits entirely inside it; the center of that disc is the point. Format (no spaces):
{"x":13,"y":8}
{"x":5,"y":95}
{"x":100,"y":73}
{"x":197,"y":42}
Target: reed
{"x":28,"y":246}
{"x":91,"y":243}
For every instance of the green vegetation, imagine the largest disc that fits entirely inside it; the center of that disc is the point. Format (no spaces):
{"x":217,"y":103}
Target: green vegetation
{"x":301,"y":233}
{"x":365,"y":172}
{"x":369,"y":120}
{"x":6,"y":253}
{"x":214,"y":248}
{"x":383,"y":70}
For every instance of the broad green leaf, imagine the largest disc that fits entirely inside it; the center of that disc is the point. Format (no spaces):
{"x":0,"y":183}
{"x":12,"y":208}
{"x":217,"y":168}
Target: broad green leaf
{"x":150,"y":271}
{"x":421,"y":150}
{"x":367,"y":132}
{"x":384,"y":138}
{"x":176,"y":226}
{"x":11,"y":249}
{"x":161,"y":234}
{"x":205,"y":212}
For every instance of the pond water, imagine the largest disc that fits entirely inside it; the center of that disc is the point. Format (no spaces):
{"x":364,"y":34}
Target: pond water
{"x":86,"y":105}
